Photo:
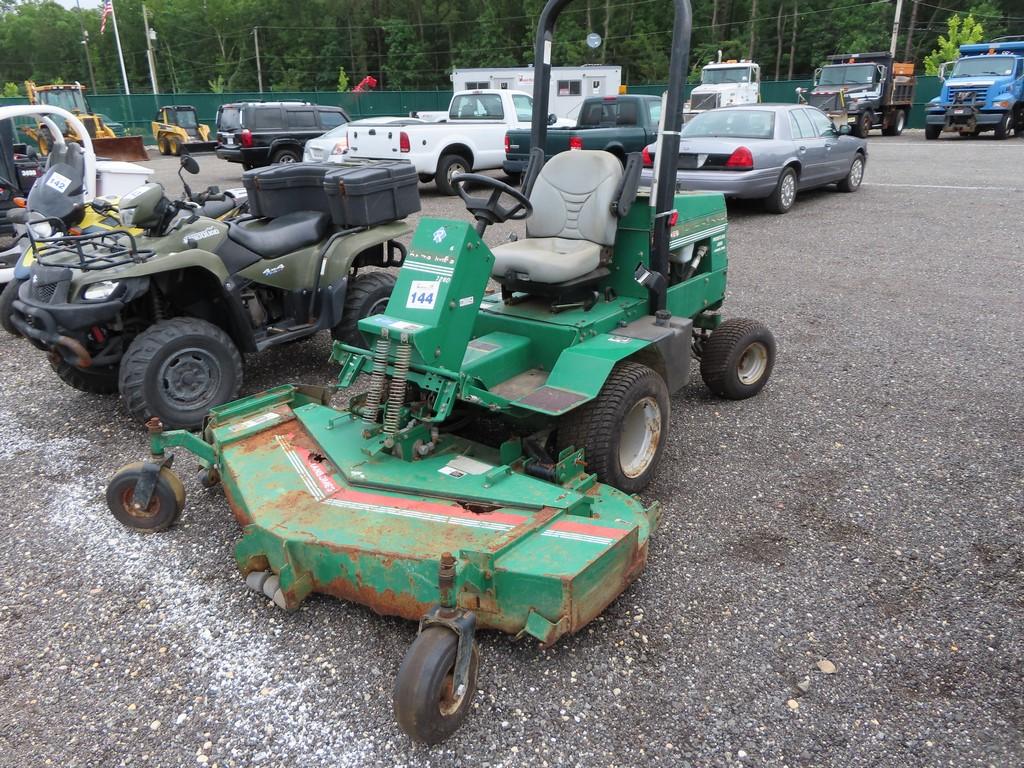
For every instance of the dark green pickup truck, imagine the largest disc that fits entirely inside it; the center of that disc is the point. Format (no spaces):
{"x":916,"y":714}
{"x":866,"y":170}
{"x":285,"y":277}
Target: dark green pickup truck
{"x":616,"y":124}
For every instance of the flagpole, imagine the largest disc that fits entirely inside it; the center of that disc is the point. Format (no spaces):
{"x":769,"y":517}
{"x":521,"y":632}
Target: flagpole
{"x":120,"y":55}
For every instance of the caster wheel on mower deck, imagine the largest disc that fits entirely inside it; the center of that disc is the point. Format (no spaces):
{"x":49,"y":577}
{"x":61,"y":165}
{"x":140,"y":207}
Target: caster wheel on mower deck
{"x":165,"y":505}
{"x":738,"y":358}
{"x":425,"y":706}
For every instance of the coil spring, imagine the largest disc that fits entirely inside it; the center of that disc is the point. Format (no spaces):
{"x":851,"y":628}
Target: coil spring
{"x":377,"y":380}
{"x":396,"y":394}
{"x":159,"y":310}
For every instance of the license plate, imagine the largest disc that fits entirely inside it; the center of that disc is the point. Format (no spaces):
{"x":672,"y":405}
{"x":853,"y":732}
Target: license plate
{"x":229,"y":139}
{"x":959,"y":111}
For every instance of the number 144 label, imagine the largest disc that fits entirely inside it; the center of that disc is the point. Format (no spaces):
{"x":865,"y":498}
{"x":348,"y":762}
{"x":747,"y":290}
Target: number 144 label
{"x":422,"y":294}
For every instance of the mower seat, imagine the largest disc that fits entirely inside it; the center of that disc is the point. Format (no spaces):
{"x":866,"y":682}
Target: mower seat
{"x":572,"y":221}
{"x":272,"y":238}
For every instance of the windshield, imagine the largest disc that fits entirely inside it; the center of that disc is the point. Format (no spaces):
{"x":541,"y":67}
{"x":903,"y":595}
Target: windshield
{"x":524,"y":108}
{"x":729,"y":75}
{"x":847,"y":74}
{"x":186,"y":119}
{"x":65,"y":98}
{"x":229,"y":119}
{"x":999,"y":66}
{"x":732,"y":123}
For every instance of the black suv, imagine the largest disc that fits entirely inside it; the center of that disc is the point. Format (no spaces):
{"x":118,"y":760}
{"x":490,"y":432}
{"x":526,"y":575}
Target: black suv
{"x":258,"y":133}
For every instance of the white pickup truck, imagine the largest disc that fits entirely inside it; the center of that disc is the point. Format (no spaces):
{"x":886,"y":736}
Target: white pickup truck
{"x":472,"y":138}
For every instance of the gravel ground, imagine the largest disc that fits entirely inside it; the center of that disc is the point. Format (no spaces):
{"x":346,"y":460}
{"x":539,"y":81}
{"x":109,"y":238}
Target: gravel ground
{"x":863,"y":514}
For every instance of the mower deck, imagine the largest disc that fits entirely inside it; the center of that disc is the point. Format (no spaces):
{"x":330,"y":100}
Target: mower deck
{"x":328,"y":511}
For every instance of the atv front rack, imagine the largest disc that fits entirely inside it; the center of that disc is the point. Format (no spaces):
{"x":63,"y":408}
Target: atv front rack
{"x":98,"y":250}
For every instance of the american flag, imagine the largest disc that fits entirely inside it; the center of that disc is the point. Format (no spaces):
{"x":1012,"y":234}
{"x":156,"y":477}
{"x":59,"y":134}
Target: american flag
{"x":108,"y":10}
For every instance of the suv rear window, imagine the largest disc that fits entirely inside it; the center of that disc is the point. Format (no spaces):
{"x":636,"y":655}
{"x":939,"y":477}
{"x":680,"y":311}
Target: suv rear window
{"x":228,"y":119}
{"x":300,"y":118}
{"x":263,"y":118}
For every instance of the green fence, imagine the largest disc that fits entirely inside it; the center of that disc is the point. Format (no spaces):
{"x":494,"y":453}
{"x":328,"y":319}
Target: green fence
{"x":137,"y":111}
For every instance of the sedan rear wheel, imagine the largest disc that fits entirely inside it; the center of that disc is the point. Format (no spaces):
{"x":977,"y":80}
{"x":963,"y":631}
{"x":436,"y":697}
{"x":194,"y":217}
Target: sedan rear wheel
{"x":782,"y":199}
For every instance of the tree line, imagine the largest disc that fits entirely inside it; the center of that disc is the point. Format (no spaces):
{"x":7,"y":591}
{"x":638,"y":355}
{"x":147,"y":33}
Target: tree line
{"x":211,"y":45}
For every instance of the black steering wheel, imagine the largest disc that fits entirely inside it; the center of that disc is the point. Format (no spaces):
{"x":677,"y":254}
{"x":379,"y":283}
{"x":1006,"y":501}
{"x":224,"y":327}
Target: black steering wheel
{"x":488,"y":210}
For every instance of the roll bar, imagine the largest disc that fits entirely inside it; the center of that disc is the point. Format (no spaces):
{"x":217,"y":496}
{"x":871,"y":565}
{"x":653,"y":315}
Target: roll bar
{"x":668,"y":153}
{"x":39,"y":111}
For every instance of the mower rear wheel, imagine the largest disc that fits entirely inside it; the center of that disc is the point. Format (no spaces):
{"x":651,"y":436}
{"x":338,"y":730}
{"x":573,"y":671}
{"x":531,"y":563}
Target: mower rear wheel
{"x":367,"y":295}
{"x":621,"y":431}
{"x":738,"y":358}
{"x":165,"y":504}
{"x":425,"y":706}
{"x":7,"y":297}
{"x":96,"y":381}
{"x":178,"y":369}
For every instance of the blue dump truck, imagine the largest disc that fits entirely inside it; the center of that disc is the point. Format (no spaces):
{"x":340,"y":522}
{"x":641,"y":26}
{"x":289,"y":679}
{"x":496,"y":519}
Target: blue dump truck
{"x":983,"y":90}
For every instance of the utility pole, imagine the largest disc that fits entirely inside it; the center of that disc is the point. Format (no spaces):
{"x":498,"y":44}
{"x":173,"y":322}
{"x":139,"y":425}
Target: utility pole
{"x":896,"y":28}
{"x":259,"y":69}
{"x":85,"y":42}
{"x":150,"y":55}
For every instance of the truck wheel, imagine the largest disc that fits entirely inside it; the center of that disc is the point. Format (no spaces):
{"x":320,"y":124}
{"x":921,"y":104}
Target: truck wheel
{"x":782,"y":199}
{"x":7,"y":297}
{"x":851,"y":182}
{"x":426,"y":178}
{"x":161,"y":145}
{"x":897,"y":123}
{"x":931,"y":132}
{"x":95,"y":381}
{"x":177,"y":370}
{"x":623,"y":430}
{"x":449,"y":167}
{"x":286,"y":156}
{"x":862,"y":127}
{"x":1003,"y":129}
{"x":173,"y":147}
{"x":738,"y":358}
{"x":367,"y":295}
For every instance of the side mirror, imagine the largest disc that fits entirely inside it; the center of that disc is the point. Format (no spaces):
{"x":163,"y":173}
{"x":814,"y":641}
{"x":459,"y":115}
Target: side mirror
{"x":189,"y":164}
{"x":844,"y":130}
{"x":552,"y":118}
{"x":943,"y":68}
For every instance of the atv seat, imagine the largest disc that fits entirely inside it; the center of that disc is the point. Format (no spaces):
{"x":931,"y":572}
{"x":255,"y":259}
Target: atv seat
{"x":271,"y":238}
{"x":572,"y":228}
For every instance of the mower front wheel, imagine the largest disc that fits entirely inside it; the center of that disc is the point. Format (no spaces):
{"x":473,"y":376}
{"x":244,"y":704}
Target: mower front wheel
{"x":738,"y":358}
{"x":622,"y":431}
{"x":164,"y":506}
{"x":425,"y":704}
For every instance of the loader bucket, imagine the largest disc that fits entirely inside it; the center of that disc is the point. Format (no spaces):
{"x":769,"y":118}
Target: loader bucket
{"x":196,"y":147}
{"x":128,"y":148}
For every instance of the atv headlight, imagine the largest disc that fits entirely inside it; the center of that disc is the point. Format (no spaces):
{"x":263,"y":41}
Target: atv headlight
{"x":100,"y":291}
{"x":128,"y":217}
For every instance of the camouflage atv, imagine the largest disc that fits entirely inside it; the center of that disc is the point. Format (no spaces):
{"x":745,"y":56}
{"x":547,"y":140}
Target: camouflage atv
{"x":165,"y":317}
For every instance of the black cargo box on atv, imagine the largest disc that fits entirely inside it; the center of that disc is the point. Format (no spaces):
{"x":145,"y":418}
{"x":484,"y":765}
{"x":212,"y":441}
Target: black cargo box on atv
{"x":371,"y":194}
{"x":282,"y":189}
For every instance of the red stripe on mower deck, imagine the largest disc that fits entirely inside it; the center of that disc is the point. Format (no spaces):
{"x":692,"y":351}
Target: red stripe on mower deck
{"x":587,"y":529}
{"x":428,"y":507}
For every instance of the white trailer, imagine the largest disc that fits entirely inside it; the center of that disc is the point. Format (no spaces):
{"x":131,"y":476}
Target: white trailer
{"x":569,"y":85}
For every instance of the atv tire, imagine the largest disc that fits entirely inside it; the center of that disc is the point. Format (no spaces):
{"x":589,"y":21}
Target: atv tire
{"x":368,"y":294}
{"x":177,"y":370}
{"x":95,"y":381}
{"x":624,"y":429}
{"x":7,"y":297}
{"x":738,"y":358}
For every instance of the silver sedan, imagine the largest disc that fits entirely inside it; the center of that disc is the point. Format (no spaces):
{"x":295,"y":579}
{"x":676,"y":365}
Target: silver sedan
{"x":768,"y":152}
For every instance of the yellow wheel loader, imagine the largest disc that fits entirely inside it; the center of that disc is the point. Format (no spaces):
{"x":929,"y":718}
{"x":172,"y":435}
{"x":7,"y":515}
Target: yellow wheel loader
{"x":178,"y":132}
{"x":71,"y":96}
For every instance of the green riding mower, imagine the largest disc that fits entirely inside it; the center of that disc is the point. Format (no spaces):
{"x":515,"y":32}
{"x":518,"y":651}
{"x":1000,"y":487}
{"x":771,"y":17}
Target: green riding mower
{"x":484,"y":478}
